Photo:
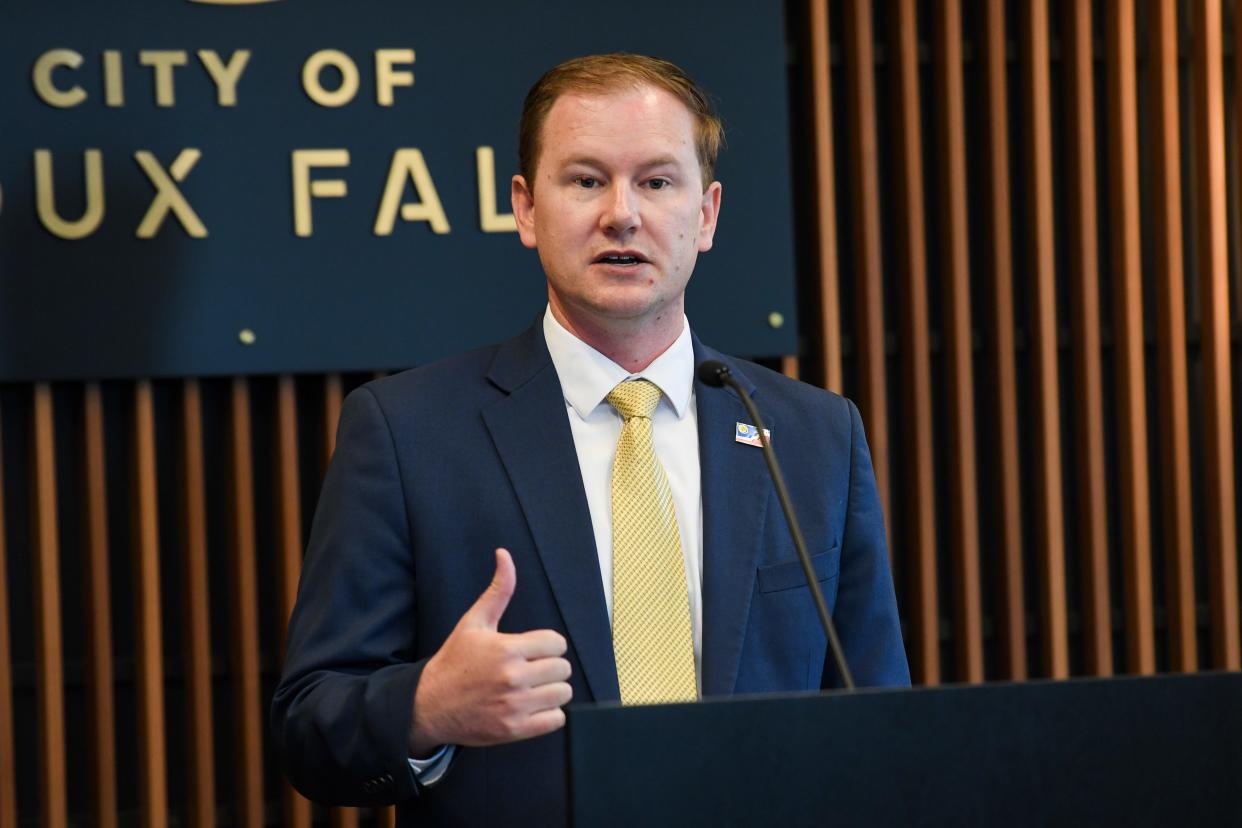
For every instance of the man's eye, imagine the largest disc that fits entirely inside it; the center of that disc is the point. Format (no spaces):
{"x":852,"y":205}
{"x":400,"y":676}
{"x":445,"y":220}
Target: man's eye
{"x":585,"y":181}
{"x":658,"y":183}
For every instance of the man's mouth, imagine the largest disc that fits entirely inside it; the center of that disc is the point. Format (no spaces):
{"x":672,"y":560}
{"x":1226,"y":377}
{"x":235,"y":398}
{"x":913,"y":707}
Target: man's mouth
{"x":620,"y":259}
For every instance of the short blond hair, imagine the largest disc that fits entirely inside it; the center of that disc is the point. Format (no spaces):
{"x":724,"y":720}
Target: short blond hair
{"x":607,"y":73}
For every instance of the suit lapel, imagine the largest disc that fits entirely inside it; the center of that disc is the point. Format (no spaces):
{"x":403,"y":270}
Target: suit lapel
{"x":534,"y":441}
{"x":735,"y":495}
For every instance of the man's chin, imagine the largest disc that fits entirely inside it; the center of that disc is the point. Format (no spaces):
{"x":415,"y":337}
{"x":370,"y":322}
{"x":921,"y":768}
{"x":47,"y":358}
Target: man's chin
{"x":634,"y":310}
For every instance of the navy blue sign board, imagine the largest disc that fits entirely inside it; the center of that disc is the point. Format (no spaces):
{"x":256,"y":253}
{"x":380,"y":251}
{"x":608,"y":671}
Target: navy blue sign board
{"x":192,"y":188}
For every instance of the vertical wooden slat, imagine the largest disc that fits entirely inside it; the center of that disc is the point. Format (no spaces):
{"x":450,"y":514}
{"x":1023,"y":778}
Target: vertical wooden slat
{"x":919,"y":517}
{"x":102,"y":743}
{"x":789,"y":366}
{"x":8,"y":767}
{"x":50,"y":674}
{"x":1043,"y":339}
{"x":959,"y":391}
{"x":332,"y":399}
{"x":289,"y":551}
{"x":865,"y":199}
{"x":1211,"y":220}
{"x":1001,"y":375}
{"x":1082,"y":253}
{"x":245,"y":621}
{"x":825,"y":194}
{"x":1170,"y":310}
{"x":1128,"y":339}
{"x":152,"y":761}
{"x":344,"y":818}
{"x":200,"y":746}
{"x":386,"y":817}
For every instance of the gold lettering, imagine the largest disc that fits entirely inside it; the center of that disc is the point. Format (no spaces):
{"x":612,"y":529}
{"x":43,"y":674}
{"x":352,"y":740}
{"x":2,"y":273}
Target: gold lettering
{"x":167,"y":196}
{"x":41,"y":74}
{"x":489,"y":220}
{"x":114,"y":88}
{"x":304,"y":188}
{"x":227,"y":75}
{"x":409,"y":162}
{"x":349,"y":78}
{"x":386,"y":77}
{"x":45,"y":196}
{"x":163,"y":61}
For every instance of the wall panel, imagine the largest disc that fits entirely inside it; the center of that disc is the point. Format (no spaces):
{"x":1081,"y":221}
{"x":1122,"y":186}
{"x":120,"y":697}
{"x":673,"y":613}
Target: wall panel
{"x":1128,"y":339}
{"x":1165,"y":223}
{"x":1084,"y":305}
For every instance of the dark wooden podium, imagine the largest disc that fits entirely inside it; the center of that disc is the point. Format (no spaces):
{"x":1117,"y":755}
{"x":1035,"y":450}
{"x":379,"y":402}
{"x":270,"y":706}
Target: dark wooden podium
{"x":1131,"y":751}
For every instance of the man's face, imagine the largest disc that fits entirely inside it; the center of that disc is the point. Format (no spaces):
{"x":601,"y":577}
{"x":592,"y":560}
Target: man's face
{"x":617,"y":212}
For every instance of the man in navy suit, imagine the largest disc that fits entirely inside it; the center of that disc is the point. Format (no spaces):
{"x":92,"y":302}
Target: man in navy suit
{"x":457,"y":590}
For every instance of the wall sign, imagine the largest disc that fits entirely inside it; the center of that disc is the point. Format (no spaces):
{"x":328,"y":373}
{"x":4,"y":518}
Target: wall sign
{"x":195,"y":188}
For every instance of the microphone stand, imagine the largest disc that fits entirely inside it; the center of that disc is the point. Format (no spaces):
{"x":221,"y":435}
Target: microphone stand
{"x":720,"y":373}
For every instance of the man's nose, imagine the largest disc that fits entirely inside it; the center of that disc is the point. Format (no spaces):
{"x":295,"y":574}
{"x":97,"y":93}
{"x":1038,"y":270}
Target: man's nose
{"x":621,"y":213}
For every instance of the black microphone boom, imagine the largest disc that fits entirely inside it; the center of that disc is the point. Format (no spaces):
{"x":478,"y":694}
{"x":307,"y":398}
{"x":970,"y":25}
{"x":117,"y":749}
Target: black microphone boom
{"x":717,"y":375}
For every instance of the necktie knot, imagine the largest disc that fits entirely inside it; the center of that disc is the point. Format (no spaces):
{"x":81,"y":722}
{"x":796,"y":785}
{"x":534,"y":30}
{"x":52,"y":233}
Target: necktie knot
{"x":635,"y":398}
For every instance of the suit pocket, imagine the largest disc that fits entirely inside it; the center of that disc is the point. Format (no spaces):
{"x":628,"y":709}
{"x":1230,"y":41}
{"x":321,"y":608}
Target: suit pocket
{"x":789,"y":574}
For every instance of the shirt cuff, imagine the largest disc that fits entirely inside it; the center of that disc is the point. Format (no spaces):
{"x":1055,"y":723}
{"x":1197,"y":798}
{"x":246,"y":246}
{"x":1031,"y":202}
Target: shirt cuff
{"x":429,"y":771}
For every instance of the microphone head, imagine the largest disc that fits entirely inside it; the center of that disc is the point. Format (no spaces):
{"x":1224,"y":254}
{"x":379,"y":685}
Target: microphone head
{"x":714,"y":373}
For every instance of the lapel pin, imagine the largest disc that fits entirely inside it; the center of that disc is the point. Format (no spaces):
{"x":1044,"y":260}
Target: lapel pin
{"x":748,"y":434}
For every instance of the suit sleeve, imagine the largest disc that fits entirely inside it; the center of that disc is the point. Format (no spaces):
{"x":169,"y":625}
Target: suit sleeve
{"x":866,"y":609}
{"x":342,"y":711}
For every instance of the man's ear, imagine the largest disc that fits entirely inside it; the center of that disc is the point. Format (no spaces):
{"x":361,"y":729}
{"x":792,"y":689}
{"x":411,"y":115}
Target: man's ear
{"x":709,"y":212}
{"x":523,"y":200}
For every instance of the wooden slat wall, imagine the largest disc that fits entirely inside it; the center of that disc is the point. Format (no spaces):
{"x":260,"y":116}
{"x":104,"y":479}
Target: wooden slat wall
{"x":1212,"y":223}
{"x":152,"y":756}
{"x":986,"y":377}
{"x":1084,"y":306}
{"x":872,"y":391}
{"x":1128,"y":345}
{"x":1042,"y":336}
{"x":244,"y":613}
{"x":820,"y":68}
{"x":200,"y":741}
{"x":1170,"y":312}
{"x":1001,"y":377}
{"x":98,"y":606}
{"x":918,"y":519}
{"x":47,"y":621}
{"x":958,"y":342}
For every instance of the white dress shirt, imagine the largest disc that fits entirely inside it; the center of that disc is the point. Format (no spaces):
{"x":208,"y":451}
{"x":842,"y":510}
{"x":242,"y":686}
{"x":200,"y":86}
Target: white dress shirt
{"x":586,"y":377}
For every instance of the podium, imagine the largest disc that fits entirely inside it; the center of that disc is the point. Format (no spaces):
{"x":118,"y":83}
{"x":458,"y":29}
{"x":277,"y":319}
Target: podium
{"x":1163,"y":750}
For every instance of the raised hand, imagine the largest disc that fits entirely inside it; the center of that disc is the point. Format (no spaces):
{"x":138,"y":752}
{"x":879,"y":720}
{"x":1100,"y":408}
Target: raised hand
{"x":484,"y":687}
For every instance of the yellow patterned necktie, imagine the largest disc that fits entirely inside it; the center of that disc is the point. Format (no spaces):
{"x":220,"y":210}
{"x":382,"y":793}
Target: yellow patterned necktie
{"x":651,"y":635}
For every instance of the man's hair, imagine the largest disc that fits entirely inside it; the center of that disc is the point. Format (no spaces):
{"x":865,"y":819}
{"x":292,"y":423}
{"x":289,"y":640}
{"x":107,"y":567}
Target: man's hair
{"x":601,"y":74}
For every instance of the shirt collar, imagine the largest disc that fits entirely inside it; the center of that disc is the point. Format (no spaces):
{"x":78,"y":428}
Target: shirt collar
{"x":587,"y":375}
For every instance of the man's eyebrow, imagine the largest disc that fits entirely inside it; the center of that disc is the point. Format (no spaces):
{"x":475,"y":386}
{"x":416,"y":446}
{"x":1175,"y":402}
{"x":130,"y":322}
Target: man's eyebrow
{"x":591,"y":161}
{"x":582,"y":160}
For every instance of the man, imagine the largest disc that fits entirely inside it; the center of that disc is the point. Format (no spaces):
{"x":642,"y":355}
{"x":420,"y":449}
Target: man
{"x":635,"y":548}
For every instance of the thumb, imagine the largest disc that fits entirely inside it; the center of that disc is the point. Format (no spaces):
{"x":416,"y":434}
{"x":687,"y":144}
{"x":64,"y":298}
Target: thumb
{"x":494,"y":601}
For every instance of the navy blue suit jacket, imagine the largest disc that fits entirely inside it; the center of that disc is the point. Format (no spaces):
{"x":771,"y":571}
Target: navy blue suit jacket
{"x":436,"y":467}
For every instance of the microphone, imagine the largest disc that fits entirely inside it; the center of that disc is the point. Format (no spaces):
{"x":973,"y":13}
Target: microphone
{"x":717,"y":375}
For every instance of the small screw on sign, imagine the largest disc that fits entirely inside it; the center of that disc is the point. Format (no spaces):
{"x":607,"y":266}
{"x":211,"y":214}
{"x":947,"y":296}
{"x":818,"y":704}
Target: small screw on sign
{"x":776,"y":319}
{"x":246,"y":336}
